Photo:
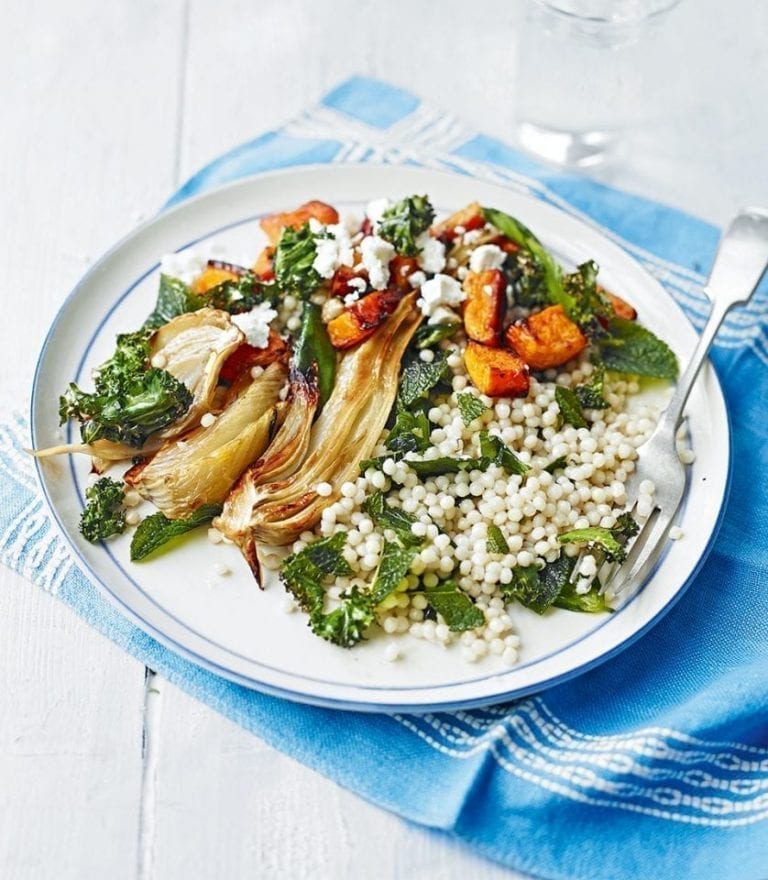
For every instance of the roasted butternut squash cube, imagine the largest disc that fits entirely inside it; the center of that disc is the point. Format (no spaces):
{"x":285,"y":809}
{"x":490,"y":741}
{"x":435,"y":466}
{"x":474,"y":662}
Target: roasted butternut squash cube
{"x":546,"y":339}
{"x":245,"y":357}
{"x":400,"y":270}
{"x":621,"y":308}
{"x":340,"y":285}
{"x":274,"y":224}
{"x":467,"y":218}
{"x":484,"y":306}
{"x":216,"y":273}
{"x":496,"y":372}
{"x":264,"y":267}
{"x":360,"y":320}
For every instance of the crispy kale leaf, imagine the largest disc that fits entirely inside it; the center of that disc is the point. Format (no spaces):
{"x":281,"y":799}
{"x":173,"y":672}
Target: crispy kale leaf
{"x":402,"y":223}
{"x":455,"y":606}
{"x":583,"y":302}
{"x":157,"y":530}
{"x":242,"y":295}
{"x":174,"y":298}
{"x":529,"y":588}
{"x":103,"y":514}
{"x":347,"y":623}
{"x":294,"y":255}
{"x":570,"y":407}
{"x":541,"y":265}
{"x":470,"y":408}
{"x":130,"y":402}
{"x":305,"y":575}
{"x":610,"y":541}
{"x":629,"y":347}
{"x":590,"y":394}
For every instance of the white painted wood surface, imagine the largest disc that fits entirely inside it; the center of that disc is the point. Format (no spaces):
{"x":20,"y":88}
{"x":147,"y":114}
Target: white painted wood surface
{"x":107,"y":106}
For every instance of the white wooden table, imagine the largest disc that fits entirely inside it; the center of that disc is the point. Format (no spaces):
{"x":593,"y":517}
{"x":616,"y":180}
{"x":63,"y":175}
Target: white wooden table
{"x":106,"y":770}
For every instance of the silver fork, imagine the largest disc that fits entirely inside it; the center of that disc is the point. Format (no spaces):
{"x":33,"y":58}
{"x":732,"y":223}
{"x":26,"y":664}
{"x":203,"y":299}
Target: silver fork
{"x":740,"y":262}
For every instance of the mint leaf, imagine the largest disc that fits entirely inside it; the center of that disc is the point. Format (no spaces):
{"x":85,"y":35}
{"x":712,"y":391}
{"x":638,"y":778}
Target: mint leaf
{"x":429,"y":335}
{"x":455,"y":606}
{"x":410,"y":432}
{"x":493,"y":449}
{"x":419,"y":378}
{"x":157,"y":530}
{"x":570,"y":407}
{"x":394,"y":566}
{"x":632,"y":348}
{"x":495,"y":542}
{"x":592,"y":602}
{"x":375,"y":505}
{"x":470,"y":407}
{"x":435,"y":467}
{"x":304,"y":573}
{"x":557,"y":465}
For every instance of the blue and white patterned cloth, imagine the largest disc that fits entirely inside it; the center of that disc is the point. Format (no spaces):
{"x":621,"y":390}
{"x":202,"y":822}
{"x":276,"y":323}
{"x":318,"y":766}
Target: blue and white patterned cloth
{"x":655,"y":764}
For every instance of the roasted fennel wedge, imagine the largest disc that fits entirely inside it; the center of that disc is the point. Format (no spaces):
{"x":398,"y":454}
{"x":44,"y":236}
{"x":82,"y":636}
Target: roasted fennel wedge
{"x":202,"y":467}
{"x":347,"y":430}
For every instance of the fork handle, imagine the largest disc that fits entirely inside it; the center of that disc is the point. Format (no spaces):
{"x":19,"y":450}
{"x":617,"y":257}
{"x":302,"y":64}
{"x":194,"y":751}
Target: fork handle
{"x":741,"y":260}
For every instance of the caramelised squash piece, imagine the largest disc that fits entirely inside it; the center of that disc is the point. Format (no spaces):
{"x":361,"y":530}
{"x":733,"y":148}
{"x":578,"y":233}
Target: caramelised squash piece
{"x":245,"y":357}
{"x":274,"y":224}
{"x":484,"y":306}
{"x":359,"y":321}
{"x":467,"y":218}
{"x":546,"y":339}
{"x":400,"y":270}
{"x":496,"y":372}
{"x":216,"y":273}
{"x":264,"y":267}
{"x":621,"y":308}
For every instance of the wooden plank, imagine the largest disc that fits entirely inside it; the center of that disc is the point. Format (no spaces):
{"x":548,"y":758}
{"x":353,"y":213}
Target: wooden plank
{"x":90,"y":96}
{"x":227,"y":805}
{"x":70,"y":734}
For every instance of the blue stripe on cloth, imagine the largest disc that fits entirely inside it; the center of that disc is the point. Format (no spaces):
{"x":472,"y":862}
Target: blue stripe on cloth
{"x":653,"y":764}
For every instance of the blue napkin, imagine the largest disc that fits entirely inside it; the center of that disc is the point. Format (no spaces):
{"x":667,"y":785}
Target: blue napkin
{"x":654,"y":764}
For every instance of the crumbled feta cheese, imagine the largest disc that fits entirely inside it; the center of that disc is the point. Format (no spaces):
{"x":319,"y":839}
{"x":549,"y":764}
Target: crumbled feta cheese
{"x":333,"y":252}
{"x":315,"y":225}
{"x":432,"y":253}
{"x":416,"y":279}
{"x":255,"y":324}
{"x":442,"y":291}
{"x":443,"y":315}
{"x":376,"y":254}
{"x":374,"y":211}
{"x":185,"y":265}
{"x":351,"y":298}
{"x":472,"y":236}
{"x":358,"y":284}
{"x":487,"y":256}
{"x":349,"y":223}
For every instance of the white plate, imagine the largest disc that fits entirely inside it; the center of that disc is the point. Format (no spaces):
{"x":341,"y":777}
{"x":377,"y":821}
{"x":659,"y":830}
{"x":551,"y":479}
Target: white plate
{"x":229,"y":626}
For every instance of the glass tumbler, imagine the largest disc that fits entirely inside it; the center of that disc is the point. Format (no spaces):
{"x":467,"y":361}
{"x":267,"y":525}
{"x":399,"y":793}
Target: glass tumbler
{"x":581,"y":71}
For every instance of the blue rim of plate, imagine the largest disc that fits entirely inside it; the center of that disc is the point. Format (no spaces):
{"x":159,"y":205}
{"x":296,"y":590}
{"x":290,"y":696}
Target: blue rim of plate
{"x":285,"y":692}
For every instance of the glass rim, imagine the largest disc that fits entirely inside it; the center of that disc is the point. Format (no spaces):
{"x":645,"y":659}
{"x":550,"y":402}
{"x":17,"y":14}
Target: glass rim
{"x":553,"y":6}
